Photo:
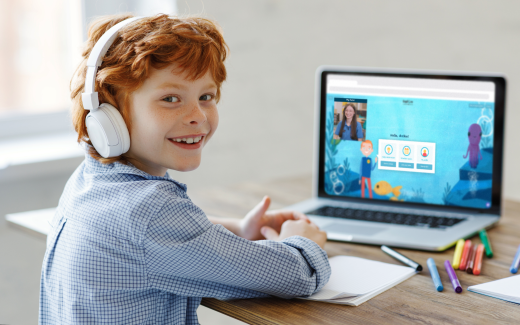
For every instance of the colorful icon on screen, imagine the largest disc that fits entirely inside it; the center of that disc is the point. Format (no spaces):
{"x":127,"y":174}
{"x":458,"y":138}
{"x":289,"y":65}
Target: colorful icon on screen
{"x":406,"y":150}
{"x":388,"y":149}
{"x":425,"y":152}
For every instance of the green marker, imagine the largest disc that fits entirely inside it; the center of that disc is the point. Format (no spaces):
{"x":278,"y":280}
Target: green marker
{"x":485,"y":240}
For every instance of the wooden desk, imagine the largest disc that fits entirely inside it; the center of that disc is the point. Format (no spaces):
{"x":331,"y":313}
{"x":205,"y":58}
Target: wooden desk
{"x":411,"y":302}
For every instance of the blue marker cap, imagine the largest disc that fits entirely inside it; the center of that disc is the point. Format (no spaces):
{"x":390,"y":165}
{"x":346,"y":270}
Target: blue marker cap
{"x":516,"y":262}
{"x":435,"y":274}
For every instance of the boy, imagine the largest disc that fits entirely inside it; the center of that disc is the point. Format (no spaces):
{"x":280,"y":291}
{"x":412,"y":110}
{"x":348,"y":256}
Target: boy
{"x":366,"y":167}
{"x":127,"y":245}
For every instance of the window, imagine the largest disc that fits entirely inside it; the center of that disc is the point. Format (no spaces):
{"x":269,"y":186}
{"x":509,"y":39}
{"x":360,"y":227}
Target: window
{"x":41,"y":44}
{"x":40,"y":48}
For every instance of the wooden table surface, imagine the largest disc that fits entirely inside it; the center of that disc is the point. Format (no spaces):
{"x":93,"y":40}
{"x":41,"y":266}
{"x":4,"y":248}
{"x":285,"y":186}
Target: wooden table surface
{"x":411,"y":302}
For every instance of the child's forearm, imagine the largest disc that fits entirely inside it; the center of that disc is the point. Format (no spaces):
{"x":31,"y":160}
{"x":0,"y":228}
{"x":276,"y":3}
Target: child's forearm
{"x":230,"y":224}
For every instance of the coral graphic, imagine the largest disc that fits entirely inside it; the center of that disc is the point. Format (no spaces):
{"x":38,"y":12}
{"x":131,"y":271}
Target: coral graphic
{"x":330,"y":146}
{"x":486,"y":123}
{"x":446,"y":195}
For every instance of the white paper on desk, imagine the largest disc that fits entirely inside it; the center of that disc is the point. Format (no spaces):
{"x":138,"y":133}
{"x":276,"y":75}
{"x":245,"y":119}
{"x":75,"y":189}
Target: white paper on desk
{"x":505,"y":289}
{"x":354,"y":276}
{"x":358,"y":300}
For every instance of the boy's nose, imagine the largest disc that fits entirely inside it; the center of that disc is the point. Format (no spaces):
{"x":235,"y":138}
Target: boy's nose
{"x":196,"y":115}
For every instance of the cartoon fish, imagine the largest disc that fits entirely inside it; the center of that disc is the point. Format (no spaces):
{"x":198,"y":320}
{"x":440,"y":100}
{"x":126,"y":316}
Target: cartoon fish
{"x":384,"y":188}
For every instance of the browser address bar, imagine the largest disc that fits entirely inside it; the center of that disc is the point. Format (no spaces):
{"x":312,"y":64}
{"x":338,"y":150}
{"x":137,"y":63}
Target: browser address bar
{"x":352,"y":87}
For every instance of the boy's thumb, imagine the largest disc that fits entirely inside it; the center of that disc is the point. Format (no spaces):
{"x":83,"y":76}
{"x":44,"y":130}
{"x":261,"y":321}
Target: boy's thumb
{"x":260,"y":209}
{"x":269,"y":233}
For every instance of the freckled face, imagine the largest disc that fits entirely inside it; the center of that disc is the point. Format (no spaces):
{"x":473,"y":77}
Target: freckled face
{"x":366,"y":149}
{"x":172,"y":120}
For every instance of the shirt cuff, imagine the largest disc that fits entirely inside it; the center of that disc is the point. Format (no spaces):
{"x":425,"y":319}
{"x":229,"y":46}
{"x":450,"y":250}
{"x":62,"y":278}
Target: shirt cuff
{"x":315,"y":256}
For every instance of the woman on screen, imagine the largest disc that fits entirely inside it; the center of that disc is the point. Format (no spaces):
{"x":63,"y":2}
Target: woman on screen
{"x":349,"y":128}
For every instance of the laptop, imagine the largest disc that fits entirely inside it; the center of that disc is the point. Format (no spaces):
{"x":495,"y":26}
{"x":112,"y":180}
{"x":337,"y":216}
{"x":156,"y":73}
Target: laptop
{"x":406,"y":158}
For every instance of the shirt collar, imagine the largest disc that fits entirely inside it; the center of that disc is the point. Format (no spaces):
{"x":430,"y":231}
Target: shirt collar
{"x":96,"y":166}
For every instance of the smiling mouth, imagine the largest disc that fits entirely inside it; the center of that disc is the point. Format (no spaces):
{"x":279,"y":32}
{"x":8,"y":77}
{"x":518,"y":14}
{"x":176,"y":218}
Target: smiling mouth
{"x":193,"y":140}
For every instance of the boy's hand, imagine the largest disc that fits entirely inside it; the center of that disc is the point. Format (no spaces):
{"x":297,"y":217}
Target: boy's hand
{"x":297,"y":228}
{"x":259,"y":217}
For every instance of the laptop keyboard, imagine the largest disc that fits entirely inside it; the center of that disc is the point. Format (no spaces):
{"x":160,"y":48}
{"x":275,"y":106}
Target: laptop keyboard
{"x":387,"y":217}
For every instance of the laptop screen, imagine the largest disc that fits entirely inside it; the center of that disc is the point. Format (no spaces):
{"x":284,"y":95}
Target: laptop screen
{"x":401,"y":139}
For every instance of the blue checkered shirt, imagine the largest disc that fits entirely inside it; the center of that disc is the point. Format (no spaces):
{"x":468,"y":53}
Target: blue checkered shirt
{"x":127,"y":247}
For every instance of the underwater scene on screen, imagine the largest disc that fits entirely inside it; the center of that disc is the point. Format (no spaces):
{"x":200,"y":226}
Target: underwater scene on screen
{"x":420,"y":150}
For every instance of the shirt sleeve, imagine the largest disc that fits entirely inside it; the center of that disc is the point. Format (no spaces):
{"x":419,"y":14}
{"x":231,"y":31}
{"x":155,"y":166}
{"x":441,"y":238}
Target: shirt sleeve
{"x":361,"y":170}
{"x":374,"y":165}
{"x":187,"y":255}
{"x":338,"y":128}
{"x":359,"y":130}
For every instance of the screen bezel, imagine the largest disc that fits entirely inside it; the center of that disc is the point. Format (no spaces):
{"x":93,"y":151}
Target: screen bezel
{"x":498,"y":139}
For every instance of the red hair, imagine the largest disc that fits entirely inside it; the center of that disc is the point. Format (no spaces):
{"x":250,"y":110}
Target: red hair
{"x":367,"y":142}
{"x":195,"y":44}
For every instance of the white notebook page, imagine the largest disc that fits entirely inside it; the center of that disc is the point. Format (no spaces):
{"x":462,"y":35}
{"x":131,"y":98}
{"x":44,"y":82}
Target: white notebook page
{"x":507,"y":289}
{"x":355,"y":276}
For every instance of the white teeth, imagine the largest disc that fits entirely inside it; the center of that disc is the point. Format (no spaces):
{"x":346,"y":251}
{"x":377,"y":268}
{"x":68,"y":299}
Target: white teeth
{"x":188,"y":140}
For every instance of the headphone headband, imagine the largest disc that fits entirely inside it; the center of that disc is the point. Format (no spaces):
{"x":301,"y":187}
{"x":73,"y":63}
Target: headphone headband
{"x":90,"y":97}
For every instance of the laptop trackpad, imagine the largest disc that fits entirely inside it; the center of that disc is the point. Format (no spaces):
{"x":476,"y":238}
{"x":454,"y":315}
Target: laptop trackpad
{"x":352,"y":230}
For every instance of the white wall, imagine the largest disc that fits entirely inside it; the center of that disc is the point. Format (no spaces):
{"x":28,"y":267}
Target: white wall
{"x":267,"y":106}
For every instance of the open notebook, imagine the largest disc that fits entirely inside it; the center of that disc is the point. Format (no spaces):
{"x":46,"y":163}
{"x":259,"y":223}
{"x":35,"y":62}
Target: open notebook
{"x":506,"y":289}
{"x":354,"y":280}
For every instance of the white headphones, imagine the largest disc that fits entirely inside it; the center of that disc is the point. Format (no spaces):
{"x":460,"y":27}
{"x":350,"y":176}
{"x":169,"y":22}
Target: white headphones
{"x":105,"y":126}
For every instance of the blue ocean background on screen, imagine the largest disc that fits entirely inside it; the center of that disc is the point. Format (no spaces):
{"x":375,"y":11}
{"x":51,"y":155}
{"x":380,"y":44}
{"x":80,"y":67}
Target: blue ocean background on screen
{"x":444,"y":122}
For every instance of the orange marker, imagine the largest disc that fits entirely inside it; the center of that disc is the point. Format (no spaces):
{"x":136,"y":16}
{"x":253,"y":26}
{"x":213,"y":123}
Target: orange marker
{"x":478,"y":259}
{"x":465,"y":255}
{"x":471,"y":259}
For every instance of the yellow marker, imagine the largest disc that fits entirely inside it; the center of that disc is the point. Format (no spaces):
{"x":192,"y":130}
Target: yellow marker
{"x":458,"y":253}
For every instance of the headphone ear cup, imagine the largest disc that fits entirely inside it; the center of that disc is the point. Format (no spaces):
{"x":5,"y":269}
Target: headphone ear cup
{"x":107,"y":131}
{"x":120,"y":125}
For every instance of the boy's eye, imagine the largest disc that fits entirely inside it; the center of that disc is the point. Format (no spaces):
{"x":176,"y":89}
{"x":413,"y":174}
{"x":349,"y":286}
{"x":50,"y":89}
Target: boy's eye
{"x":206,"y":97}
{"x":171,"y":99}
